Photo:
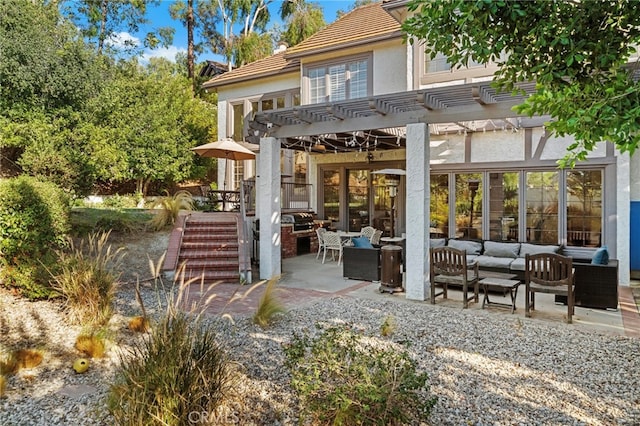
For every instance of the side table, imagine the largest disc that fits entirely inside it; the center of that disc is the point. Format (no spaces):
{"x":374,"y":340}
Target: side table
{"x":509,"y":285}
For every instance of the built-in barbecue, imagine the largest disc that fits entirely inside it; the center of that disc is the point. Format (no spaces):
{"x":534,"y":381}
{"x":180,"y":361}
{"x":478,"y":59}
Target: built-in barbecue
{"x":302,"y":221}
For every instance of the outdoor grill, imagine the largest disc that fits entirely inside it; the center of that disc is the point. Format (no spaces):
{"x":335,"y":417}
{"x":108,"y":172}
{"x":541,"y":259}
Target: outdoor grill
{"x":302,"y":221}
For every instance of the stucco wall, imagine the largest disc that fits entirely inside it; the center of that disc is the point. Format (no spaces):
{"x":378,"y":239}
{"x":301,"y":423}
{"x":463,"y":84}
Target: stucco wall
{"x":389,"y":63}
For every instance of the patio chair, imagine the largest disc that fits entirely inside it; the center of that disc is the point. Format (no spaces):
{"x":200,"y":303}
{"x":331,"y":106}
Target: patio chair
{"x":548,"y":273}
{"x":368,"y":232}
{"x":449,"y":267}
{"x":320,"y":233}
{"x":375,"y":238}
{"x":333,"y":242}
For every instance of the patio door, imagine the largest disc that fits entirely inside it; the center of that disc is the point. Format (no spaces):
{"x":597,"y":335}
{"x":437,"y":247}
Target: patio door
{"x":358,"y":199}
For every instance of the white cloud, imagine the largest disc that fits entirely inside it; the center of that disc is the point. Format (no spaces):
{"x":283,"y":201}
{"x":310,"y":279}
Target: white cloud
{"x":123,"y":40}
{"x":163,"y":52}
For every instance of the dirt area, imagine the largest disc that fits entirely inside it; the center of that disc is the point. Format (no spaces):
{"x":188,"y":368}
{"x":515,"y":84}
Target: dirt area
{"x":141,"y":250}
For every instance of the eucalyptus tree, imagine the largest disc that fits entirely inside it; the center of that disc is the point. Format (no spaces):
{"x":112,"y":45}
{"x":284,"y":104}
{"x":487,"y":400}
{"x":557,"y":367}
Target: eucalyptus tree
{"x":109,"y":22}
{"x":302,"y":19}
{"x":576,"y":51}
{"x":243,"y":37}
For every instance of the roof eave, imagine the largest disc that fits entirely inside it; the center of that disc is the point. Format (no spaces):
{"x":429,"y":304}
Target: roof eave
{"x":214,"y":84}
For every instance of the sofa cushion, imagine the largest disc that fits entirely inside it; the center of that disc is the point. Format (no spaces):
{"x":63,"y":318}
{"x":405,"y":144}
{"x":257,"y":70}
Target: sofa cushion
{"x":494,"y":262}
{"x":472,"y":247}
{"x":437,"y":242}
{"x":517,"y":264}
{"x":362,"y":242}
{"x":526,"y":248}
{"x":601,"y":256}
{"x":496,"y":249}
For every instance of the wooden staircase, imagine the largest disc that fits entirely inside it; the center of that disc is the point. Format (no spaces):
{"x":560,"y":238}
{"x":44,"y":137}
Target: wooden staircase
{"x":210,"y":248}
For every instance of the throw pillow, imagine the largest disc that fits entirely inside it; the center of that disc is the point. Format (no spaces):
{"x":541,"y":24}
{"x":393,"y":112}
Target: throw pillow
{"x":362,"y":242}
{"x":601,"y":256}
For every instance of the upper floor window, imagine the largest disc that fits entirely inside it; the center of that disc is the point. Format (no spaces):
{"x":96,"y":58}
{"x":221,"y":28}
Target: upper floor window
{"x":338,"y":81}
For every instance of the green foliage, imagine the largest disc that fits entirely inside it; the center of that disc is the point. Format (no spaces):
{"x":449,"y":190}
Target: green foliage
{"x":574,"y":50}
{"x":343,"y":379}
{"x":92,"y":220}
{"x":30,"y":276}
{"x":180,"y":368}
{"x":147,"y":121}
{"x":302,"y":20}
{"x":34,"y":217}
{"x":86,"y":279}
{"x":268,"y":306}
{"x":168,"y":209}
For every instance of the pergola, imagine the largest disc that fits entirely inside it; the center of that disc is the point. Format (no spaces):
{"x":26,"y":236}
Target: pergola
{"x":467,"y":107}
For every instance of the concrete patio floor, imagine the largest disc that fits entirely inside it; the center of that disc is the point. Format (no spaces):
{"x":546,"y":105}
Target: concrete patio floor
{"x":305,"y":279}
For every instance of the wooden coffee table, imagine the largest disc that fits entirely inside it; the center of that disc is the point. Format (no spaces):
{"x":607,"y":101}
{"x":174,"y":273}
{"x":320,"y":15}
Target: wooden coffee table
{"x":509,"y":285}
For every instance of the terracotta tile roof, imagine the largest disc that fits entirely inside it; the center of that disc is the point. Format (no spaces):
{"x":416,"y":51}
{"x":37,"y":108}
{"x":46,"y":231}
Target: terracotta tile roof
{"x":272,"y":65}
{"x":362,"y":25}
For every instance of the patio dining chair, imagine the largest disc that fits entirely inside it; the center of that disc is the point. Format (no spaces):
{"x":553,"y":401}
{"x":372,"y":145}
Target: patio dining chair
{"x":368,"y":232}
{"x":333,"y":243}
{"x":320,"y":233}
{"x":449,"y":267}
{"x":375,"y":238}
{"x":548,"y":273}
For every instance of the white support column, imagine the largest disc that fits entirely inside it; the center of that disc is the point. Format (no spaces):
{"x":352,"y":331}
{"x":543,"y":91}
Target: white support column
{"x":268,"y":192}
{"x":418,"y":212}
{"x":621,"y":221}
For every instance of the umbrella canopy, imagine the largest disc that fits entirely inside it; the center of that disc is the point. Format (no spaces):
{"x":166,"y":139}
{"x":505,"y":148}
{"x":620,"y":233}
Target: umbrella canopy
{"x":389,"y":172}
{"x":226,"y":148}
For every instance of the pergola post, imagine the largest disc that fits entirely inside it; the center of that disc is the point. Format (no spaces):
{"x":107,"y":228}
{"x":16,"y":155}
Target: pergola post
{"x":418,"y":212}
{"x":268,"y":207}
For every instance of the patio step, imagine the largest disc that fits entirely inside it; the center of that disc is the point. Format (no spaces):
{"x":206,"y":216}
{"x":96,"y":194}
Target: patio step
{"x":209,"y":250}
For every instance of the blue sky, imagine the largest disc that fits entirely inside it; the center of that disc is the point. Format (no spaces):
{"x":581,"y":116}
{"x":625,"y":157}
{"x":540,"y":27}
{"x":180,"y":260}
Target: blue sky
{"x":159,"y":17}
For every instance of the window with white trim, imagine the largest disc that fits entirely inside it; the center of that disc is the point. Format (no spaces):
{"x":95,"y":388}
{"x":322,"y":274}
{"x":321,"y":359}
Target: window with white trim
{"x":339,"y":81}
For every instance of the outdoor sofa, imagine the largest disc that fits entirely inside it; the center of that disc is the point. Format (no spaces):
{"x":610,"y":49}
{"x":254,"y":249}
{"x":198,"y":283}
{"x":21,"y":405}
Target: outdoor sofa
{"x":596,"y":284}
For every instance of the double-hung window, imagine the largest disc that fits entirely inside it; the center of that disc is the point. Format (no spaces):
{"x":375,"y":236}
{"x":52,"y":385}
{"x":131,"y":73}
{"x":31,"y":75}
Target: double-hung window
{"x":339,"y":81}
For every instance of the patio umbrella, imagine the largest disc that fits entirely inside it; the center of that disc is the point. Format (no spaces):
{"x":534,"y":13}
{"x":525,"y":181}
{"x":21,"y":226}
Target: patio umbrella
{"x":225,"y":148}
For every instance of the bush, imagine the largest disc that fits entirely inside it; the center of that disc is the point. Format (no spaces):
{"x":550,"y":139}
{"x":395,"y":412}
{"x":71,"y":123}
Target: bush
{"x":34,"y":222}
{"x":180,"y":368}
{"x":343,"y":380}
{"x":169,"y":209}
{"x":86,"y":280}
{"x":34,"y":217}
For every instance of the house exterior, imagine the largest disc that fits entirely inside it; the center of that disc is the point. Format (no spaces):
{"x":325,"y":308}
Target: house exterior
{"x":354,"y":98}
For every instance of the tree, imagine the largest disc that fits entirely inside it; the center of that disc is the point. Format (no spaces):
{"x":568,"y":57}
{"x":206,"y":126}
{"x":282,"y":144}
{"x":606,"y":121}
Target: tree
{"x":101,"y":20}
{"x":251,"y":16}
{"x":186,"y":13}
{"x":576,"y":51}
{"x":302,"y":20}
{"x":48,"y":74}
{"x":145,"y":123}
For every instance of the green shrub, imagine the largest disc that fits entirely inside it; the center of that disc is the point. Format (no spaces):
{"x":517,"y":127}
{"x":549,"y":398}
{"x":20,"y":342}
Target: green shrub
{"x":120,"y":201}
{"x":34,"y":222}
{"x":341,"y":379}
{"x":86,"y":279}
{"x":31,"y":277}
{"x":180,"y":368}
{"x":34,"y":217}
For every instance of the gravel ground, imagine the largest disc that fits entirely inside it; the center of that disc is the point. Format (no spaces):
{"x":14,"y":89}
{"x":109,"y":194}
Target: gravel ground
{"x":485,"y":369}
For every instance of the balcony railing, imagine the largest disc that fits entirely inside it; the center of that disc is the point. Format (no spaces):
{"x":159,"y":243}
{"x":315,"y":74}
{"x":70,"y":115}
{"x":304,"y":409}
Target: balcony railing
{"x":294,"y":196}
